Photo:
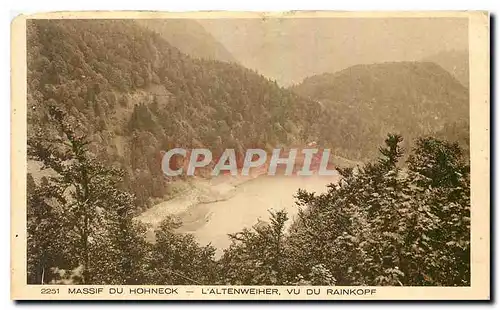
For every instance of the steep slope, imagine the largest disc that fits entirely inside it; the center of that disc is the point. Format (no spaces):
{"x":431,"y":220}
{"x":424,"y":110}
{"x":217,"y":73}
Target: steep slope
{"x":454,"y":61}
{"x":134,"y":94}
{"x":189,"y":37}
{"x":367,"y":101}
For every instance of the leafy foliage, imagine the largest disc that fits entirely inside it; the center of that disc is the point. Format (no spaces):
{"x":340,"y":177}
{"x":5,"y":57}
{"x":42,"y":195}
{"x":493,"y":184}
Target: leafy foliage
{"x":381,"y":225}
{"x":257,"y":256}
{"x":81,"y":226}
{"x":178,"y":259}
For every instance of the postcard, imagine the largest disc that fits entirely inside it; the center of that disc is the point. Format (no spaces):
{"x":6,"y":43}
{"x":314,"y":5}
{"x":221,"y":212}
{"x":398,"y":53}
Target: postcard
{"x":250,"y":156}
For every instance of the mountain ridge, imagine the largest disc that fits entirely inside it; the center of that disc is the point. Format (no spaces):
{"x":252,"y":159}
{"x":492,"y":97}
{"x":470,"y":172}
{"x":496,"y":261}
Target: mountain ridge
{"x":413,"y":98}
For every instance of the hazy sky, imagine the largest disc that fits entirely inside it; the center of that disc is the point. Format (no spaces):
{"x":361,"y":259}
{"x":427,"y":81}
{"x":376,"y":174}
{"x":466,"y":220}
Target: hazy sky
{"x":289,"y":50}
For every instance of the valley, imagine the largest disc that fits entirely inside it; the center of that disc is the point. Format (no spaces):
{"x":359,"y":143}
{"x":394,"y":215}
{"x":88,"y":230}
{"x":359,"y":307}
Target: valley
{"x":107,"y":99}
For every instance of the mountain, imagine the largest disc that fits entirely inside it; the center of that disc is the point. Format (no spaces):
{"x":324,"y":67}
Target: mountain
{"x":454,"y":61}
{"x":189,"y":37}
{"x":367,"y":101}
{"x":291,"y":49}
{"x":134,"y":95}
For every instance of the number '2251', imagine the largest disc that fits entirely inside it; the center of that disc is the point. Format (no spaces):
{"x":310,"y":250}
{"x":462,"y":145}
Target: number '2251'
{"x":49,"y":291}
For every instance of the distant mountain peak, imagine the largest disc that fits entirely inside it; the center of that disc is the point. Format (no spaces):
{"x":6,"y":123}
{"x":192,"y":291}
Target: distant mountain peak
{"x":189,"y":37}
{"x":454,"y":61}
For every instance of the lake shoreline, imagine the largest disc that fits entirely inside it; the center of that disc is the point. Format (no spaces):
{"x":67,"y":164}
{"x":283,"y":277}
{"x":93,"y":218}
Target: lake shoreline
{"x":214,"y":208}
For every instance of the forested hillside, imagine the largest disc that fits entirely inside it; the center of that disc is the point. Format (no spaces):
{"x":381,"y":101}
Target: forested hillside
{"x":367,"y":101}
{"x":134,"y":95}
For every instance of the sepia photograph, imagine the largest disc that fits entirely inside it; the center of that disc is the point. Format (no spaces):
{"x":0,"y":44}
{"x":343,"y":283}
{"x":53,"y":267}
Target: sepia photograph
{"x":224,"y":155}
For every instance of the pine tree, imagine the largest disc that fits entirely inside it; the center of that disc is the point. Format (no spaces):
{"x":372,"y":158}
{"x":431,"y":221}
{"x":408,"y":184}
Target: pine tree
{"x":44,"y":250}
{"x":95,"y":213}
{"x":389,"y":224}
{"x":258,"y":256}
{"x":392,"y":151}
{"x":178,"y":259}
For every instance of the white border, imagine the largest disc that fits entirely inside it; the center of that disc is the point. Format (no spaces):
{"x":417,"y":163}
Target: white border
{"x":22,"y":6}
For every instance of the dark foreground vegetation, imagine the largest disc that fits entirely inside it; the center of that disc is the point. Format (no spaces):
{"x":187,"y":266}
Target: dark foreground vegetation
{"x":386,"y":223}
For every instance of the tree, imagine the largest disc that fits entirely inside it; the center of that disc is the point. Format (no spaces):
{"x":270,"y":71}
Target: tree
{"x":389,"y":225}
{"x":392,"y":151}
{"x":440,"y":162}
{"x":177,"y":259}
{"x":258,"y":256}
{"x":44,"y":251}
{"x":95,"y":213}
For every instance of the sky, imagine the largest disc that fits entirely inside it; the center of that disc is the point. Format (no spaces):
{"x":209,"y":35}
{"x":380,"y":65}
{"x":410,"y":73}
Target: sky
{"x":288,"y":50}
